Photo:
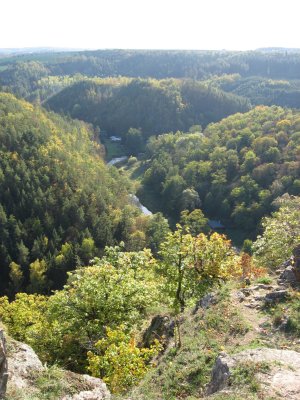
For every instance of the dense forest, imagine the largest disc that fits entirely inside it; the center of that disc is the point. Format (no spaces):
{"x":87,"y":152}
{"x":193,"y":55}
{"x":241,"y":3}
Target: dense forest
{"x":59,"y":203}
{"x":233,"y":170}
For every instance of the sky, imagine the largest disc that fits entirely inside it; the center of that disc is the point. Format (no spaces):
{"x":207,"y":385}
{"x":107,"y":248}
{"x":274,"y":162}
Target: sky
{"x":150,"y":24}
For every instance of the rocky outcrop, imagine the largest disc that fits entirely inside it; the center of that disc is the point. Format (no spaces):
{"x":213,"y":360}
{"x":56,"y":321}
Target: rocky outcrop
{"x":23,"y":364}
{"x":3,"y":366}
{"x":276,"y":296}
{"x":281,"y":381}
{"x":25,"y":367}
{"x":161,"y":328}
{"x":97,"y":390}
{"x":289,"y":271}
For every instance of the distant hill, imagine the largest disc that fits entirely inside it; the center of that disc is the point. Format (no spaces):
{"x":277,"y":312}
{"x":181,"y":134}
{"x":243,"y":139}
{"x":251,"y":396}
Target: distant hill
{"x":155,"y":106}
{"x":167,"y":63}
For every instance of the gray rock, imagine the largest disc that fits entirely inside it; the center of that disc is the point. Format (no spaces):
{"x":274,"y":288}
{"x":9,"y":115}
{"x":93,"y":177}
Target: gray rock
{"x":98,"y":390}
{"x":240,"y":296}
{"x":3,"y":366}
{"x":259,"y":298}
{"x":282,"y":380}
{"x":220,"y":373}
{"x":23,"y":363}
{"x":264,"y":286}
{"x":246,"y":291}
{"x":288,"y":277}
{"x":208,"y":300}
{"x":276,"y":296}
{"x":285,"y":264}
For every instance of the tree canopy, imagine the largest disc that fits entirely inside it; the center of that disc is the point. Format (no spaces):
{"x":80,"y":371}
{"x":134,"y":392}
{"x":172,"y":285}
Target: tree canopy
{"x":59,"y":203}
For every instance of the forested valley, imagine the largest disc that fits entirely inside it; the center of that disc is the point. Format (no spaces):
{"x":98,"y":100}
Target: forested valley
{"x":209,"y":142}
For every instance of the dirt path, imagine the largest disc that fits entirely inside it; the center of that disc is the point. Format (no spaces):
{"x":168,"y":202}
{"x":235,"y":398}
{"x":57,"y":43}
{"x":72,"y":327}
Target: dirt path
{"x":249,"y":302}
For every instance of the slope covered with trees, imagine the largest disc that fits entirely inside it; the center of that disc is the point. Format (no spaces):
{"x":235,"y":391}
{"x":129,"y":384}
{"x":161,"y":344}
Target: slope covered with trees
{"x":38,"y":76}
{"x":233,"y":170}
{"x":115,"y":105}
{"x":59,"y":203}
{"x":160,"y":64}
{"x":259,"y":90}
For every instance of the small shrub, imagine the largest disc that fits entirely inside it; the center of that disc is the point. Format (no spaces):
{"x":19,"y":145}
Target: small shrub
{"x":267,"y":280}
{"x":131,"y":160}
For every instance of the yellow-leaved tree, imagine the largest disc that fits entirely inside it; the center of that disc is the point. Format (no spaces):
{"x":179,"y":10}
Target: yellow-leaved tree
{"x":119,"y":361}
{"x":192,"y":265}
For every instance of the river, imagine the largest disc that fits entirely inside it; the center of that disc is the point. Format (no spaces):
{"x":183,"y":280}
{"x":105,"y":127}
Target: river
{"x":134,"y":198}
{"x":117,"y":160}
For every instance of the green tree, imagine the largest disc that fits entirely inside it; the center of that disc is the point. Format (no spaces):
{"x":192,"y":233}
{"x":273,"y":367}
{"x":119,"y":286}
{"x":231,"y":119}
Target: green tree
{"x":194,"y":222}
{"x":134,"y":141}
{"x":117,"y":289}
{"x":16,"y":276}
{"x":281,"y":233}
{"x":23,"y":253}
{"x":190,"y":199}
{"x":157,"y":229}
{"x":37,"y":276}
{"x":87,"y":250}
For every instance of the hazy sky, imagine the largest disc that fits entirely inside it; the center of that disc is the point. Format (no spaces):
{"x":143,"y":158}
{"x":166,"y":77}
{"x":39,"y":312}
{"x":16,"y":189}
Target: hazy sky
{"x":166,"y":24}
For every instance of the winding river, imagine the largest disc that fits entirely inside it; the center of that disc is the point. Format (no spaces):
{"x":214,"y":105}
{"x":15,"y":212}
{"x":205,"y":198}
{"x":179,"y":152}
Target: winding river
{"x":134,"y":198}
